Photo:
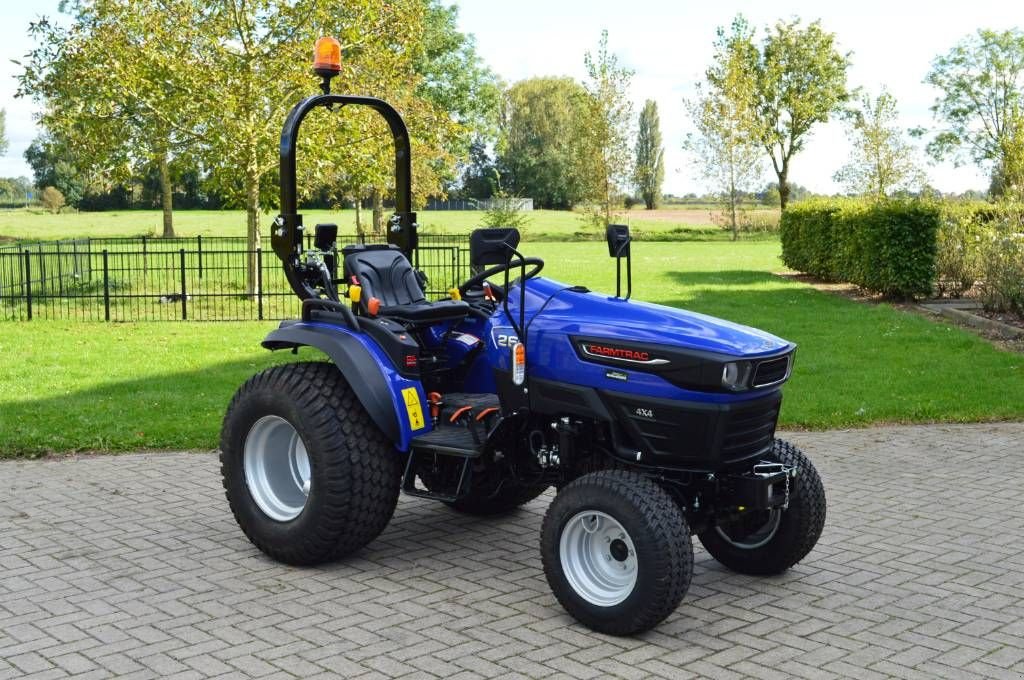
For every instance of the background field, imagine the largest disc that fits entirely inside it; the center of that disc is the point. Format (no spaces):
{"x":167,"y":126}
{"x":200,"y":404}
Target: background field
{"x":681,"y":223}
{"x":83,"y":386}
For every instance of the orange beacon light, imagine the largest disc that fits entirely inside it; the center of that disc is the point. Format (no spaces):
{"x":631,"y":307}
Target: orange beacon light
{"x":327,"y":57}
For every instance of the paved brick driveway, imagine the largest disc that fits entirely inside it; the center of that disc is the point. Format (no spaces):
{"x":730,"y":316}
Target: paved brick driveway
{"x":132,"y":566}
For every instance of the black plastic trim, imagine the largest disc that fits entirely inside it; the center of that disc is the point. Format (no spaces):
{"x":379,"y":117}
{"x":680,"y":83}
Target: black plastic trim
{"x":557,"y":398}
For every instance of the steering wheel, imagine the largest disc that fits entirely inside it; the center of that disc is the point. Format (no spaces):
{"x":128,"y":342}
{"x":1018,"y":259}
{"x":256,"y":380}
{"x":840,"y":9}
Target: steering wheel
{"x":477,"y":280}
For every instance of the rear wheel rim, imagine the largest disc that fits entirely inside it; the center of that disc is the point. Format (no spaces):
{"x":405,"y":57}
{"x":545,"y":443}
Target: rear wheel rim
{"x":749,"y":535}
{"x":598,"y":558}
{"x":277,"y":468}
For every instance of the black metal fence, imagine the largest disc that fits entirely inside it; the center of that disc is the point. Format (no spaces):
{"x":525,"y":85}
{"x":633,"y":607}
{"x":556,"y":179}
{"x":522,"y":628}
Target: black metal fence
{"x":201,"y":278}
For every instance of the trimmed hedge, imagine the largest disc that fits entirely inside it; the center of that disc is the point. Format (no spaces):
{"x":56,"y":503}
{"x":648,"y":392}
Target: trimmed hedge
{"x":888,"y":247}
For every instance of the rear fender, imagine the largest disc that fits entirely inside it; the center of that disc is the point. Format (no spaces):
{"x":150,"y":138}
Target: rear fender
{"x":395,"y":403}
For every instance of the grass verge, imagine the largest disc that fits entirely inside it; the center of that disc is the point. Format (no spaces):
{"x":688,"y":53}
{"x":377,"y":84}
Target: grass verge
{"x":544,"y":225}
{"x":68,"y":386}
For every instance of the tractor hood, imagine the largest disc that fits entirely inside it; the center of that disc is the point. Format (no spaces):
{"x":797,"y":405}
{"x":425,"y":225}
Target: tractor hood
{"x":578,"y":313}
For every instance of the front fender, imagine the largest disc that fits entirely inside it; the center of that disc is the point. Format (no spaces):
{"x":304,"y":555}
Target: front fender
{"x":397,"y":405}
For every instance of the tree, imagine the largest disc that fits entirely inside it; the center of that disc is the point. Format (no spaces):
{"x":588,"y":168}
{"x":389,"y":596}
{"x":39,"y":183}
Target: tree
{"x":726,"y":141}
{"x":3,"y":131}
{"x":981,"y":106}
{"x":608,"y":125}
{"x":649,"y":168}
{"x":799,"y":80}
{"x":882,"y":160}
{"x":481,"y":177}
{"x":54,"y":163}
{"x":14,"y":189}
{"x":544,"y":145}
{"x":730,"y":157}
{"x":110,"y":81}
{"x":454,"y":77}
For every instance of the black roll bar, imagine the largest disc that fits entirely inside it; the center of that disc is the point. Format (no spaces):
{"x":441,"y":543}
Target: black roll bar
{"x":287,"y":235}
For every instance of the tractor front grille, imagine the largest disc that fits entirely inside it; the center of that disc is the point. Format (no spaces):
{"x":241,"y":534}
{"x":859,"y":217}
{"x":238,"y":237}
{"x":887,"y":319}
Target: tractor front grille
{"x":701,"y":435}
{"x":749,"y":431}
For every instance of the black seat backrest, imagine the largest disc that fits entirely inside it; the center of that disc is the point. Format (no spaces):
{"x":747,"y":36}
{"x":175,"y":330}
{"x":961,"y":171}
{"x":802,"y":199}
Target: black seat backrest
{"x":385,"y":274}
{"x":488,"y":246}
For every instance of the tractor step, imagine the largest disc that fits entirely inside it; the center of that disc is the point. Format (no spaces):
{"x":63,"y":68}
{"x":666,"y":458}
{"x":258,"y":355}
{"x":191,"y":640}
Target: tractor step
{"x":462,"y":465}
{"x":448,"y":440}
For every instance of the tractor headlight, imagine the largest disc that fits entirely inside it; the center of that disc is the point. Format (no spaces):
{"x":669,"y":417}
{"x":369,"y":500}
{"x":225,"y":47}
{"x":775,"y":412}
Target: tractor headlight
{"x":735,"y":375}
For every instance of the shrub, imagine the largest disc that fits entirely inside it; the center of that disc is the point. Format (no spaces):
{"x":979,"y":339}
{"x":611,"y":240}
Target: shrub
{"x":1002,"y":264}
{"x":883,"y":246}
{"x":505,"y":211}
{"x":958,"y":254}
{"x":52,"y":199}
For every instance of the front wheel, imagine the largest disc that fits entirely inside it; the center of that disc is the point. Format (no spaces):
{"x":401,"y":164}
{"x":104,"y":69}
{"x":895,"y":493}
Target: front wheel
{"x":308,"y":475}
{"x":771,"y":541}
{"x":616,"y":551}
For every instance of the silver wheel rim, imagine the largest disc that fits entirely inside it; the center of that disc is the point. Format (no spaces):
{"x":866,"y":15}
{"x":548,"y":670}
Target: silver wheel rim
{"x":598,"y":558}
{"x":758,"y":538}
{"x":276,"y":468}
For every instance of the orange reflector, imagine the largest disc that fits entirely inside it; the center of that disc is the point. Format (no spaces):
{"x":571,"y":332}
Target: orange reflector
{"x":373,"y":306}
{"x":327,"y":55}
{"x":518,"y":363}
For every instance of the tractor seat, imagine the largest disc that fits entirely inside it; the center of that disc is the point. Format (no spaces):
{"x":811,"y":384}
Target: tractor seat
{"x":384,"y":273}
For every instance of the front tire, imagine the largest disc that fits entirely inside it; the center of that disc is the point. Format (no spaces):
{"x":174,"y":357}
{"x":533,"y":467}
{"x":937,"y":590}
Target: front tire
{"x":308,"y":475}
{"x":770,"y":542}
{"x":616,"y":551}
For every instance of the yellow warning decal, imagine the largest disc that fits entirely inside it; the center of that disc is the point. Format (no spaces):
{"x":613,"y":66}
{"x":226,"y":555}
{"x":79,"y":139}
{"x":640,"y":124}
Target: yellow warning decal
{"x":413,"y":408}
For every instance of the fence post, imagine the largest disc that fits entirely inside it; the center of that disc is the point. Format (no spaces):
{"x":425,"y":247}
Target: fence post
{"x":42,"y":269}
{"x":145,"y":261}
{"x":28,"y":283}
{"x":60,"y":273}
{"x":184,"y":294}
{"x":106,"y":286}
{"x":199,"y":248}
{"x":259,"y":281}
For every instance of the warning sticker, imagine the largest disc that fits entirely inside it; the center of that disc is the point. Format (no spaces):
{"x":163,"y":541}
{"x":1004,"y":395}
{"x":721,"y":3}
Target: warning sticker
{"x":468,"y":340}
{"x":413,"y":408}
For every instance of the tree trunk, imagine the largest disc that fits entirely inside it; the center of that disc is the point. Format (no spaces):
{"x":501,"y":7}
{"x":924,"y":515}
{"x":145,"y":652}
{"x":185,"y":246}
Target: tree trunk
{"x":359,"y":218}
{"x":607,"y":203}
{"x":732,"y":210}
{"x":166,"y":194}
{"x":378,"y":211}
{"x":252,"y":229}
{"x":783,"y":188}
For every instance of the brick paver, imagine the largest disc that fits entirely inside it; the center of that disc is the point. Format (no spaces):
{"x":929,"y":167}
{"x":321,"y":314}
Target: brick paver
{"x":132,"y":566}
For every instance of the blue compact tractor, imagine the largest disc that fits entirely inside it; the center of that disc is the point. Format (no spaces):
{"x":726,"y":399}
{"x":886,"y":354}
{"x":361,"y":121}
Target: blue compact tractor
{"x":651,"y":422}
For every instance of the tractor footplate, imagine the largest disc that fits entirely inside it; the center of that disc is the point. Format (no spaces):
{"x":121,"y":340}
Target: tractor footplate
{"x":449,"y":440}
{"x":765,"y":486}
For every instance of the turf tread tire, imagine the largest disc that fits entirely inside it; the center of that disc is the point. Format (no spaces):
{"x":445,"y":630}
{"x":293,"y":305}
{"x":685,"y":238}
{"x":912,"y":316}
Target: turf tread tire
{"x":661,"y":537}
{"x":355,"y":468}
{"x":799,"y":529}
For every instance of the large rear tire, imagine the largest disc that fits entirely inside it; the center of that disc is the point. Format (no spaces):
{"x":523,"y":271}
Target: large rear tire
{"x":308,"y":475}
{"x":616,"y":551}
{"x":770,"y":542}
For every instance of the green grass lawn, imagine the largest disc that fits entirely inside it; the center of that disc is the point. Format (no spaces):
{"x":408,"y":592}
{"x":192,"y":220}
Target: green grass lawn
{"x":84,"y":386}
{"x":679,"y":223}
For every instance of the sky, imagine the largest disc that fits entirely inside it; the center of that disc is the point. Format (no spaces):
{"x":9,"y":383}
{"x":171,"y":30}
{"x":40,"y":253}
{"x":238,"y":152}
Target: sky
{"x":668,"y":43}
